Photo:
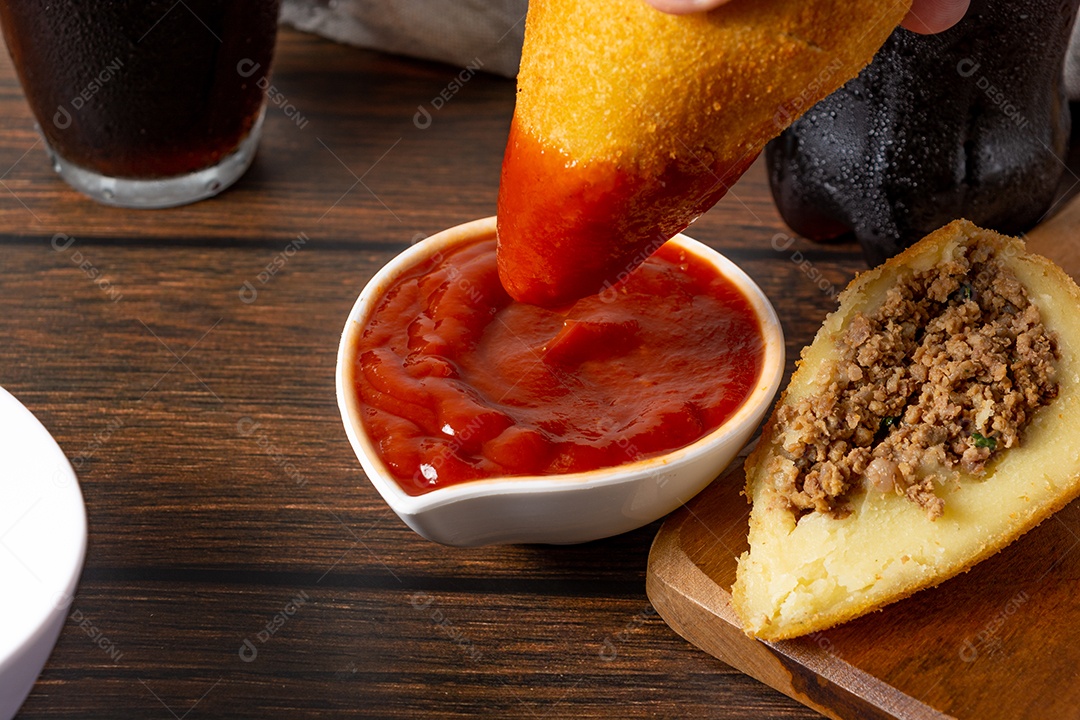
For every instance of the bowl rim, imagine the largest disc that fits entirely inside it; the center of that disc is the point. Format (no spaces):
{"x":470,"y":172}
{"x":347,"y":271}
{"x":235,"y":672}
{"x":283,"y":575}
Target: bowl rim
{"x":379,"y":475}
{"x":59,"y":498}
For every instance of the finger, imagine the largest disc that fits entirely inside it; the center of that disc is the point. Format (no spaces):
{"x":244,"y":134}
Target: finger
{"x":683,"y":7}
{"x":933,"y":16}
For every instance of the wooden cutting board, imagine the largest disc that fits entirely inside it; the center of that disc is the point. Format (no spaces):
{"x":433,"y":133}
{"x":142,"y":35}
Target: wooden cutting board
{"x":997,"y":642}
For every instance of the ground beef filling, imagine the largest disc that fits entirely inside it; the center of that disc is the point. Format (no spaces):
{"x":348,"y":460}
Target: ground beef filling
{"x":946,"y":373}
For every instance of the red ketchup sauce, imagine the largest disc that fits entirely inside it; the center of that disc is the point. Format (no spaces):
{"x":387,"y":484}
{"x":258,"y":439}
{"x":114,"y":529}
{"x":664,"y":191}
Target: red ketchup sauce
{"x":569,"y":229}
{"x":458,"y":382}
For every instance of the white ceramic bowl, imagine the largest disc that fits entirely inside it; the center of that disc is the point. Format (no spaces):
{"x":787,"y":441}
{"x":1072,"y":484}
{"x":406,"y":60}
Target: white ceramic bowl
{"x":42,"y":545}
{"x":557,"y":509}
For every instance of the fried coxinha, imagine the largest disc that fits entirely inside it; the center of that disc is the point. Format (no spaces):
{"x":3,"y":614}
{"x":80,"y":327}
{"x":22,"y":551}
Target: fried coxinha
{"x":630,"y":123}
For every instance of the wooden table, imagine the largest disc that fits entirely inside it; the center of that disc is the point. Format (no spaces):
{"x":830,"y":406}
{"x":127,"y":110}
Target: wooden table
{"x":239,"y":563}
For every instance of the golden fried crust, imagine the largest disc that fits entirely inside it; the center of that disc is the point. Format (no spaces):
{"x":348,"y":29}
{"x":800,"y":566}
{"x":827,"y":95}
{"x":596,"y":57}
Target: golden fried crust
{"x":620,"y":81}
{"x":806,"y":576}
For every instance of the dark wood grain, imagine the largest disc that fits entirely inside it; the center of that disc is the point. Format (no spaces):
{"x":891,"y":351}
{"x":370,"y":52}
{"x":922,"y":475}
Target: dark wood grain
{"x":221,"y":488}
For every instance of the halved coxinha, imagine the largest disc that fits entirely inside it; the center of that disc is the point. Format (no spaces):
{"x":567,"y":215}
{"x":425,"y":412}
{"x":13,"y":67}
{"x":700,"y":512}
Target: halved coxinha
{"x":932,"y":421}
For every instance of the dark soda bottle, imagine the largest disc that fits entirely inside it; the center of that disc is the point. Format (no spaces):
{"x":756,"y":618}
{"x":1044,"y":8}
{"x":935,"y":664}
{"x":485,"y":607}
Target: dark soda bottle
{"x":972,"y":122}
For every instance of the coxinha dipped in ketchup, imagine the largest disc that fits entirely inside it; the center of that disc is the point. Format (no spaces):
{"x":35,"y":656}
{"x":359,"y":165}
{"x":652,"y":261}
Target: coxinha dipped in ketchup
{"x":630,"y":123}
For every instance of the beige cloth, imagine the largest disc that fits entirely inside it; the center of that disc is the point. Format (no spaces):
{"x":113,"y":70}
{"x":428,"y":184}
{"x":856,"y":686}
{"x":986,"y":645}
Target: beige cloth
{"x":459,"y":32}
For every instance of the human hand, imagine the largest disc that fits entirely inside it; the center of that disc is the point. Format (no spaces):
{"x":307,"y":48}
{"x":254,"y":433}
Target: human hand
{"x":925,"y":16}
